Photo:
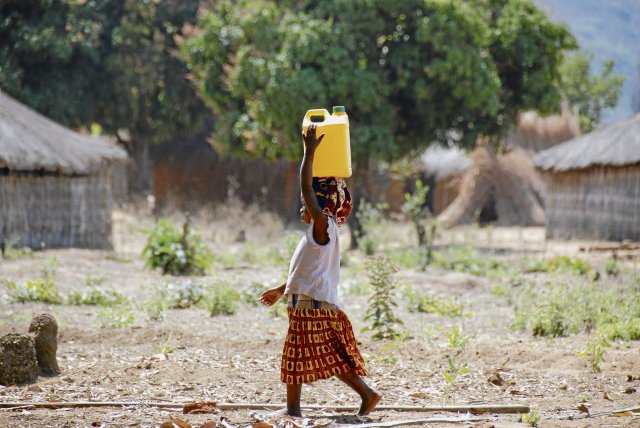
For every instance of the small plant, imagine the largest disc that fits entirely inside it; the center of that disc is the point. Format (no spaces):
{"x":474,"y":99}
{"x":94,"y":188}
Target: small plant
{"x":380,"y":310}
{"x":595,"y":350}
{"x":95,"y":296}
{"x":561,"y":264}
{"x":186,"y":294}
{"x":432,"y":304}
{"x":13,"y":252}
{"x":222,"y":299}
{"x":175,"y":251}
{"x":93,"y":280}
{"x":466,"y":259}
{"x":532,"y":418}
{"x":38,"y":290}
{"x":451,"y":373}
{"x":116,"y":316}
{"x":457,"y":340}
{"x":415,"y":207}
{"x":611,"y":266}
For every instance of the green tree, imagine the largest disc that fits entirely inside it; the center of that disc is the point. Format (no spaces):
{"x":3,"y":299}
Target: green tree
{"x":110,"y":62}
{"x":589,"y":94}
{"x":410,"y":71}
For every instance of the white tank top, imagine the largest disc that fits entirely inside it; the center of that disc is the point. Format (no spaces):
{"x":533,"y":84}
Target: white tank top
{"x":315,"y":269}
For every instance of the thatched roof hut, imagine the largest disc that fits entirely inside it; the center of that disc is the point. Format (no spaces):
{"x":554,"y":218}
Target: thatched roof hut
{"x":55,"y":184}
{"x":593,"y":184}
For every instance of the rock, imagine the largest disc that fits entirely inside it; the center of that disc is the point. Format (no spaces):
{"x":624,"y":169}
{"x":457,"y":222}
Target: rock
{"x":18,"y":362}
{"x":44,"y":329}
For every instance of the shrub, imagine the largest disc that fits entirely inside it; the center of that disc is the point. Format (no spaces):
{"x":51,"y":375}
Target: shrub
{"x":39,"y":290}
{"x":222,"y":299}
{"x":561,"y":264}
{"x":176,"y":252}
{"x":432,"y":304}
{"x":95,"y":296}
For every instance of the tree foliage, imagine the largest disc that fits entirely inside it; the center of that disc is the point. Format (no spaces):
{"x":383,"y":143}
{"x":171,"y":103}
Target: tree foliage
{"x":409,"y":71}
{"x":110,"y":62}
{"x":589,"y":94}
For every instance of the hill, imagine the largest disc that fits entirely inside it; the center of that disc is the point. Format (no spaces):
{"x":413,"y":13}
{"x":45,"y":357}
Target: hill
{"x":611,"y":29}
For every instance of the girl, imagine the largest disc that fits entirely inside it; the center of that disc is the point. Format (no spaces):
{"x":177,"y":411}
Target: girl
{"x":320,"y":341}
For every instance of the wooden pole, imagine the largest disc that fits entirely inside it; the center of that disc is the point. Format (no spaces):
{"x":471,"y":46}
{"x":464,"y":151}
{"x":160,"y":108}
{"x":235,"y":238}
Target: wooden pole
{"x":474,"y":409}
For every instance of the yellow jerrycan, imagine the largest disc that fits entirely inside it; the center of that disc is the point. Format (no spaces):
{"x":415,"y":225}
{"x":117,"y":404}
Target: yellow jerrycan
{"x":333,"y":156}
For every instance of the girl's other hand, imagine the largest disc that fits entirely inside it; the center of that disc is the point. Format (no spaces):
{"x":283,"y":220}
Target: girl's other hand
{"x":271,"y":296}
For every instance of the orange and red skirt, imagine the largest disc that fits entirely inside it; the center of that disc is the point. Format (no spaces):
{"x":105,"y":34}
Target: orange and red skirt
{"x":320,"y":344}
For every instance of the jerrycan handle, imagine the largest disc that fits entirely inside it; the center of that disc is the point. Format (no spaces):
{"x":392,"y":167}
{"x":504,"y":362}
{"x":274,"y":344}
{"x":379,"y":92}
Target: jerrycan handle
{"x":314,"y":114}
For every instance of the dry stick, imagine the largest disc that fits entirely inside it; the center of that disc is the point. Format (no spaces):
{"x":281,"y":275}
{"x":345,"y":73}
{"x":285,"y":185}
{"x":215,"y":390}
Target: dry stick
{"x":477,"y":409}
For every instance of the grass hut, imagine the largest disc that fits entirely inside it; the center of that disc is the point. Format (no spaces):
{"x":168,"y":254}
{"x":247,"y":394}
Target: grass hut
{"x":593,"y":184}
{"x":55,"y":184}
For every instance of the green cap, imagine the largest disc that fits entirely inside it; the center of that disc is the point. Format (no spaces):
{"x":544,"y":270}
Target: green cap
{"x":338,"y":109}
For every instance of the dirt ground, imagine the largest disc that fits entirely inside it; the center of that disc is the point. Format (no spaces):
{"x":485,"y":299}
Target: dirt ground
{"x":191,"y":356}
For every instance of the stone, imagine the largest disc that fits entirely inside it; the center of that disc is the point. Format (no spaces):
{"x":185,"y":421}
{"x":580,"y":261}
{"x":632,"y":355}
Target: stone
{"x":44,"y":330}
{"x":18,"y":363}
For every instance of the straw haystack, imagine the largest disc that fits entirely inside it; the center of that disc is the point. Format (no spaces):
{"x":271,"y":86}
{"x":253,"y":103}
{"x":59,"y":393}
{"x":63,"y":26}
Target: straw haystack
{"x":535,"y":132}
{"x":55,"y":184}
{"x":593,"y":184}
{"x":441,"y":168}
{"x":507,"y":184}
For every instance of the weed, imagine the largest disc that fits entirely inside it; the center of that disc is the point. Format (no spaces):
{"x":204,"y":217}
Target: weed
{"x":158,"y":304}
{"x":166,"y":349}
{"x":532,"y":418}
{"x":38,"y":290}
{"x":95,"y":296}
{"x":595,"y":349}
{"x":466,"y":259}
{"x":381,"y":303}
{"x":186,"y":294}
{"x":451,"y":373}
{"x":611,"y":266}
{"x":560,"y":264}
{"x":116,"y":316}
{"x":222,"y":299}
{"x":12,"y":252}
{"x":175,"y":251}
{"x":415,"y":208}
{"x":568,"y":308}
{"x":457,"y":340}
{"x":432,"y":304}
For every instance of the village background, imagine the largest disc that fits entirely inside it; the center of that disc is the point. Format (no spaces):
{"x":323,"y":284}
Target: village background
{"x":149,"y":156}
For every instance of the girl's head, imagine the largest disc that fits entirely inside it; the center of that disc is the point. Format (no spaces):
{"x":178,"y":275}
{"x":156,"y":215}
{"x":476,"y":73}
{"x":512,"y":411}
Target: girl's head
{"x":333,"y":197}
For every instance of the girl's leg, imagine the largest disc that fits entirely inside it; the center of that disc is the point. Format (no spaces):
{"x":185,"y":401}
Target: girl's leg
{"x":369,"y":397}
{"x":293,"y":399}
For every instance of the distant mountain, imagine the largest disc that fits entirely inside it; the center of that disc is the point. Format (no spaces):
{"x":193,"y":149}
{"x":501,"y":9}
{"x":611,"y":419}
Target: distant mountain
{"x":609,"y":28}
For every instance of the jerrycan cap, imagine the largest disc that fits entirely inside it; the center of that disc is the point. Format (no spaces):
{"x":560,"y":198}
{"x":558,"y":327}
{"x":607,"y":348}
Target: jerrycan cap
{"x":338,"y":109}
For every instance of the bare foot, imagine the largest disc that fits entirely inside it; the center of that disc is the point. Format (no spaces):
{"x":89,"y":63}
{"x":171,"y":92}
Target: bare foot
{"x":369,"y":403}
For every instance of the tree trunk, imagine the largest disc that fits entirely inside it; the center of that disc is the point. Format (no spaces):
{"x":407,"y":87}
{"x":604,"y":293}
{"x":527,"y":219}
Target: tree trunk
{"x":140,"y":169}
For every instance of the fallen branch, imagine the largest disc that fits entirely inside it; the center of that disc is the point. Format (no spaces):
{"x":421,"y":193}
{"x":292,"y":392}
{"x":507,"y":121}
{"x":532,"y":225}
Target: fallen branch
{"x":415,"y":422}
{"x":475,"y":409}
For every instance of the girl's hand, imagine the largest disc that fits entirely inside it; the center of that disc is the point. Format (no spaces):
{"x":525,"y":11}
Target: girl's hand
{"x":310,"y":140}
{"x":271,"y":296}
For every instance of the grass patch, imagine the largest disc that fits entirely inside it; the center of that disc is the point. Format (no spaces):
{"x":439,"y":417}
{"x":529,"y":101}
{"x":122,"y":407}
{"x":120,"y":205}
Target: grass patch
{"x":563,"y":309}
{"x":95,"y":296}
{"x":432,"y":304}
{"x":560,"y":264}
{"x":467,"y":259}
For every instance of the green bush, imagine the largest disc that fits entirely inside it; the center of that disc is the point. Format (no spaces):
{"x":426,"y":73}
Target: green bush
{"x":223,"y":299}
{"x":175,"y":251}
{"x":561,"y":264}
{"x":432,"y":304}
{"x":39,"y":290}
{"x":95,"y":296}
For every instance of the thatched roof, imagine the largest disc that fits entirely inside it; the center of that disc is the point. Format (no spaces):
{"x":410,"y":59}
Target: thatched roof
{"x":615,"y":145}
{"x":30,"y":141}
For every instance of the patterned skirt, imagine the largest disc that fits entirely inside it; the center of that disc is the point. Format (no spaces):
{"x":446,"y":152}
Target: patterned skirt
{"x":319,"y":344}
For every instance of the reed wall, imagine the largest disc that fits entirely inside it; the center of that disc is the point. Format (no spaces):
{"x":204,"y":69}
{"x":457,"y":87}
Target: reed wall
{"x":52,"y":211}
{"x":596,"y":203}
